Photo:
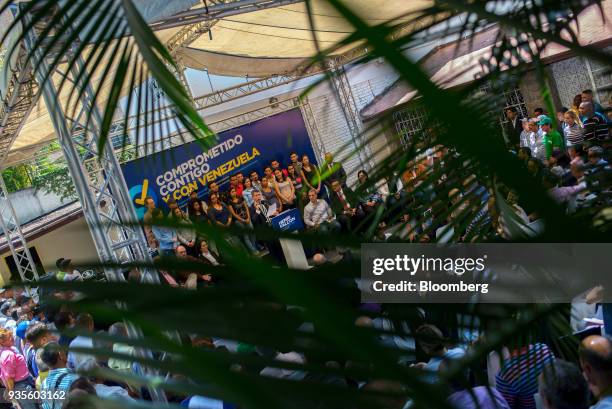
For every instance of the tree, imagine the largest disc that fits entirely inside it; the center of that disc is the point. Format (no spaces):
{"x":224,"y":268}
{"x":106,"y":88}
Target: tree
{"x":267,"y":307}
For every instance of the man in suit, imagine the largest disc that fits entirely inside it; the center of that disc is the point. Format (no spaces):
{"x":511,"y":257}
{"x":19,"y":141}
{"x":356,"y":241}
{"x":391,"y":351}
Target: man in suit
{"x":259,"y":217}
{"x":345,"y":205}
{"x":514,"y":127}
{"x":333,"y":171}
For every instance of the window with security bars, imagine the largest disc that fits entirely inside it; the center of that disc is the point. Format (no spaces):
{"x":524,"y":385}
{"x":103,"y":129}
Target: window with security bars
{"x":602,"y":79}
{"x":513,"y":98}
{"x":409,"y":123}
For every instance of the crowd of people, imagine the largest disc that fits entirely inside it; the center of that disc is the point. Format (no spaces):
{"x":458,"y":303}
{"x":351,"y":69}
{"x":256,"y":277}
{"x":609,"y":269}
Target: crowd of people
{"x":568,"y":153}
{"x":436,"y":197}
{"x":37,"y":354}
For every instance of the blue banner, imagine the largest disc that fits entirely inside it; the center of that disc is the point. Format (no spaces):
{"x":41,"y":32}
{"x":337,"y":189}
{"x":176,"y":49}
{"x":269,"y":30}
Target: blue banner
{"x":175,"y":172}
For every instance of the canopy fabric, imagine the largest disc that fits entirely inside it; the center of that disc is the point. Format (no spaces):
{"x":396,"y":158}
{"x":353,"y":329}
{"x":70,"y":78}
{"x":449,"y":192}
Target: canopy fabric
{"x":257,"y":44}
{"x":269,"y":41}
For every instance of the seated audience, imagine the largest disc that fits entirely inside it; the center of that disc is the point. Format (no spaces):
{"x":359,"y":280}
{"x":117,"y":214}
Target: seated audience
{"x":517,"y":379}
{"x":434,"y":345}
{"x":465,"y":397}
{"x":596,"y":361}
{"x":345,"y":205}
{"x":562,"y":386}
{"x":318,"y":216}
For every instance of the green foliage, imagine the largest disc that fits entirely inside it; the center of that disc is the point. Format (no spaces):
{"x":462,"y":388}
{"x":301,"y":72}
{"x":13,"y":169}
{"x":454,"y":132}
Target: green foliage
{"x":18,"y":177}
{"x":265,"y":305}
{"x":55,"y":179}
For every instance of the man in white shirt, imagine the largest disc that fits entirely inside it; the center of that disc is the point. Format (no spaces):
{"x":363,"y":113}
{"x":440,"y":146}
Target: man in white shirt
{"x":318,"y":215}
{"x":84,"y":322}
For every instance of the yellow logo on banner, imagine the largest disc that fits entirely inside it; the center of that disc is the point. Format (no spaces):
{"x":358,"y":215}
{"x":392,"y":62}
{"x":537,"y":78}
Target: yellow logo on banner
{"x":145,"y":187}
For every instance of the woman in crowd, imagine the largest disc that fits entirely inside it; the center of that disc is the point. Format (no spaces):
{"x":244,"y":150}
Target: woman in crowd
{"x":572,"y":130}
{"x":218,"y":212}
{"x":284,"y":189}
{"x":14,"y":371}
{"x":240,"y":212}
{"x":296,"y":177}
{"x":270,"y":195}
{"x":310,"y":174}
{"x":197,"y":214}
{"x":185,"y":235}
{"x":575,"y":108}
{"x":207,"y":256}
{"x":247,"y":192}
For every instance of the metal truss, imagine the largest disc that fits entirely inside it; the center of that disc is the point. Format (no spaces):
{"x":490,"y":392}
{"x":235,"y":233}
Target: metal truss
{"x":98,"y":179}
{"x":313,"y":130}
{"x":217,"y":11}
{"x":188,"y":35}
{"x":248,"y":88}
{"x":342,"y":89}
{"x":97,"y":175}
{"x":16,"y":105}
{"x":15,"y":238}
{"x":180,"y":137}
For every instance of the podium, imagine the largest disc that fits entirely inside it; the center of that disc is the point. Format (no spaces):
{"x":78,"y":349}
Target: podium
{"x":291,"y":221}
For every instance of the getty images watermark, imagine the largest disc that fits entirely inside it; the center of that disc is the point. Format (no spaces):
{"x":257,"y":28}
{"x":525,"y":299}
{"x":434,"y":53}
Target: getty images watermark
{"x":493,"y":272}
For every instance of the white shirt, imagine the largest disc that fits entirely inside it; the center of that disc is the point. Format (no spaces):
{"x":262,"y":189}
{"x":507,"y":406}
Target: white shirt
{"x":111,"y":392}
{"x":76,"y":359}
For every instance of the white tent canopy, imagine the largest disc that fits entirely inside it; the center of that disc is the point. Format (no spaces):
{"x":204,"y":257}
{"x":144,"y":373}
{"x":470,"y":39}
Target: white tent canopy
{"x":260,"y":43}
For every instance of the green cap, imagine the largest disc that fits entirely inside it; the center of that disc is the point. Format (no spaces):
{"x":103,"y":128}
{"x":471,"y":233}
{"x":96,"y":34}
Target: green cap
{"x":544,"y":120}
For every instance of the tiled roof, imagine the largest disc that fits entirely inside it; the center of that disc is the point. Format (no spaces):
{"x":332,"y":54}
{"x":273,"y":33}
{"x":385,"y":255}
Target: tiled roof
{"x":47,"y":223}
{"x":457,"y":62}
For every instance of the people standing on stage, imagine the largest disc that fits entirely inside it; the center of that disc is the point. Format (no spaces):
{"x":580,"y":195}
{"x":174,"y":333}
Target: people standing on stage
{"x":193,"y":196}
{"x":254,"y":176}
{"x":284,"y":189}
{"x":165,"y":235}
{"x":214,"y":188}
{"x":269,"y":194}
{"x":333,"y":171}
{"x":269,"y":174}
{"x":247,"y":192}
{"x":218,"y":212}
{"x":310,"y":174}
{"x":295,"y":176}
{"x":186,"y":235}
{"x":295,"y":162}
{"x":275,"y":165}
{"x":146,"y":220}
{"x":240,"y":213}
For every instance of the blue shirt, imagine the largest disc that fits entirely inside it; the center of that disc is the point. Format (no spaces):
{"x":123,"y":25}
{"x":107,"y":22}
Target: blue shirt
{"x":166,"y":236}
{"x":58,"y":380}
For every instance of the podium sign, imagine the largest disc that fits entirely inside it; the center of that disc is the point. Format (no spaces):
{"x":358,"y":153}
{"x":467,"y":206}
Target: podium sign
{"x":289,"y":220}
